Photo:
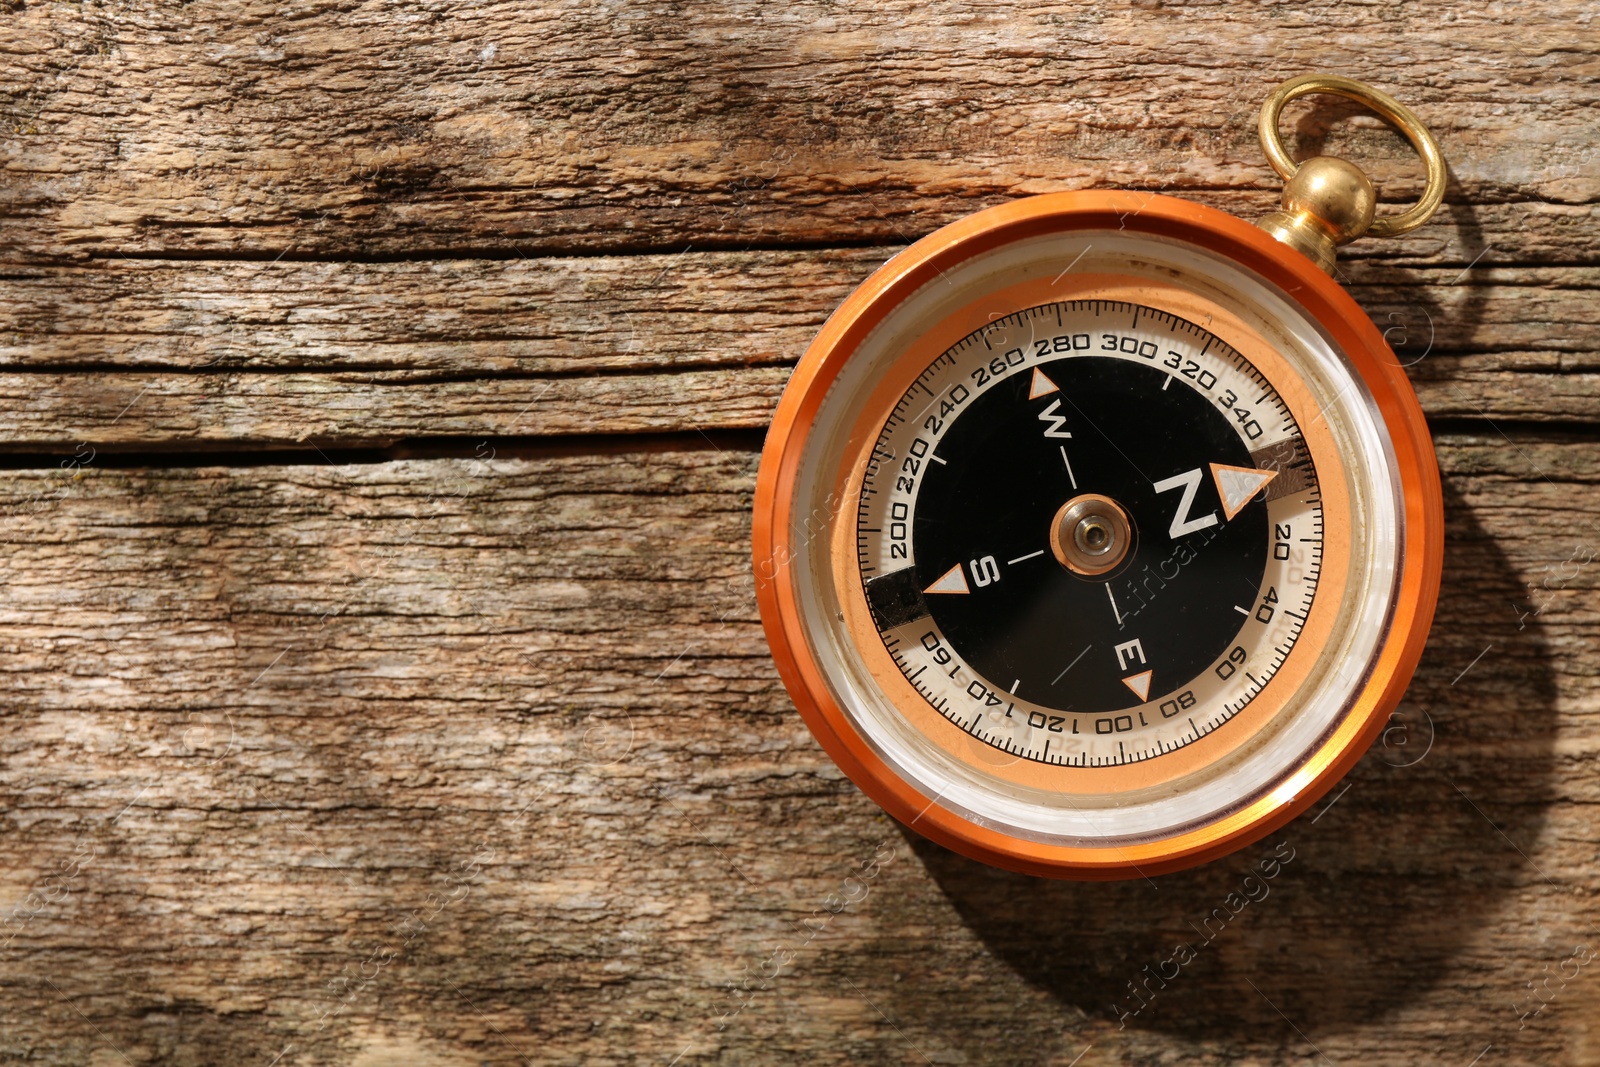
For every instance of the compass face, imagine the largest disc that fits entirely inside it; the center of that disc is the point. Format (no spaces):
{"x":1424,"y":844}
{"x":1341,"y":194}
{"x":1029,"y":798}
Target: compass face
{"x":1105,"y":517}
{"x":1085,"y":541}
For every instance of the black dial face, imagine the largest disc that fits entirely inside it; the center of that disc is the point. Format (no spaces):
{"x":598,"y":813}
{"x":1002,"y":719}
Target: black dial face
{"x":1090,"y":533}
{"x":1146,"y":448}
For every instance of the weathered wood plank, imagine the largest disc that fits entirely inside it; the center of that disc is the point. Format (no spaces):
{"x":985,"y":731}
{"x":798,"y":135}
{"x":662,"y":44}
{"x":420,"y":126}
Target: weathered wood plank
{"x":450,"y":762}
{"x":226,"y":128}
{"x":606,"y":313}
{"x":460,"y":316}
{"x":45,"y":412}
{"x":349,"y":354}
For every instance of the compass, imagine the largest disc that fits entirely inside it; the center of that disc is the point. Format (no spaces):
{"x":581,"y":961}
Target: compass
{"x":1097,"y":534}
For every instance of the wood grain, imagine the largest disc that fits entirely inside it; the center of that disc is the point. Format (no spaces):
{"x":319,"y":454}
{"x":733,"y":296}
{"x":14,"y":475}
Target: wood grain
{"x":156,"y":353}
{"x":487,"y":763}
{"x":471,"y":752}
{"x":359,"y":131}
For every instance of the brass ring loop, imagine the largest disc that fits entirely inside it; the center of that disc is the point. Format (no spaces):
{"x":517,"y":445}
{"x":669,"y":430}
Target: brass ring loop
{"x":1390,"y":109}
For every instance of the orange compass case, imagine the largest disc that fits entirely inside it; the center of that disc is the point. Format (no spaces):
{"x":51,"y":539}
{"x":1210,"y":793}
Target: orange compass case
{"x":1298,"y":280}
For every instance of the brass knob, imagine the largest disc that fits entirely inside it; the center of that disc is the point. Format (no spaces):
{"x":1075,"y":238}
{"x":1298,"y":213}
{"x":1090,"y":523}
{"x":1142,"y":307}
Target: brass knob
{"x":1329,"y":202}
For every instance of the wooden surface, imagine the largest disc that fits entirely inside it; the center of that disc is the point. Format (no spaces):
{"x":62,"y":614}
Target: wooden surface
{"x":383,"y":391}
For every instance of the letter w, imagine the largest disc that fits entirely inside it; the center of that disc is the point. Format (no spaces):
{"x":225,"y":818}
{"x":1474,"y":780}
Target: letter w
{"x":1056,"y":421}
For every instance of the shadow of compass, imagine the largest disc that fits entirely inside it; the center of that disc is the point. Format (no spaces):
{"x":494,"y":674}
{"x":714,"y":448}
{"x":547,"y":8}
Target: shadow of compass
{"x":1389,"y":882}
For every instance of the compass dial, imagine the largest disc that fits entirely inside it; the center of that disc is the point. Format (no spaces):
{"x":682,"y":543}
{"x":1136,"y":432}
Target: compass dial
{"x":1089,"y":533}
